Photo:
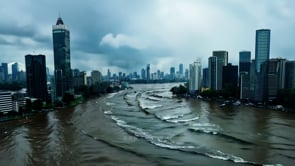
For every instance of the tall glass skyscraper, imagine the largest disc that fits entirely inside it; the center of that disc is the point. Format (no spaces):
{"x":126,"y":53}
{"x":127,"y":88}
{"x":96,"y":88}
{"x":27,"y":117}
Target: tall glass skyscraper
{"x":195,"y":76}
{"x":36,"y":76}
{"x":222,"y":60}
{"x":262,"y":46}
{"x":62,"y":58}
{"x":212,"y":65}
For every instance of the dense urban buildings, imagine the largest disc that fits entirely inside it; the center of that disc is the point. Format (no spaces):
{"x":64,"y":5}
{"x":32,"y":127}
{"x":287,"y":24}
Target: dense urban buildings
{"x":36,"y":77}
{"x":62,"y":58}
{"x":244,"y":74}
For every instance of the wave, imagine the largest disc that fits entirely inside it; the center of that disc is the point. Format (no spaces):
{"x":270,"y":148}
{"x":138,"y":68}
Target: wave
{"x":183,"y":120}
{"x":109,"y":104}
{"x":187,"y":148}
{"x":216,"y":132}
{"x":153,"y":98}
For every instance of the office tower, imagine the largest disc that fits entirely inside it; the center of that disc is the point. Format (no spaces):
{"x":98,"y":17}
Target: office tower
{"x":36,"y":76}
{"x":206,"y":78}
{"x":148,"y":74}
{"x":5,"y":71}
{"x":109,"y":74}
{"x":14,"y":70}
{"x":290,"y":75}
{"x":186,"y":74}
{"x":96,"y":76}
{"x":222,"y":60}
{"x":252,"y":81}
{"x":212,"y":64}
{"x":244,"y":73}
{"x":172,"y":73}
{"x":181,"y":69}
{"x":262,"y":47}
{"x":244,"y":61}
{"x":195,"y":70}
{"x":1,"y":75}
{"x":62,"y":58}
{"x":272,"y":73}
{"x":230,"y":79}
{"x":143,"y":75}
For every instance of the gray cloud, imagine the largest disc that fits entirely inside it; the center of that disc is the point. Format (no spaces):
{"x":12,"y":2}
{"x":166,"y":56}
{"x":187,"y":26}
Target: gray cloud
{"x":127,"y":34}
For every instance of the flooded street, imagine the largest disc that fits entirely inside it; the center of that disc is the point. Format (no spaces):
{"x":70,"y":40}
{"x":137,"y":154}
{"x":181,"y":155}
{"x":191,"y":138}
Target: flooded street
{"x":146,"y":126}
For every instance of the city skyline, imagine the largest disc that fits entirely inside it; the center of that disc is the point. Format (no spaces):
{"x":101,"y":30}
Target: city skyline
{"x":127,"y":40}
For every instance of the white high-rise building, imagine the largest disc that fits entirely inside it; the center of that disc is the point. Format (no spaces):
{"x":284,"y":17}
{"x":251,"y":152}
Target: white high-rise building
{"x":195,"y":70}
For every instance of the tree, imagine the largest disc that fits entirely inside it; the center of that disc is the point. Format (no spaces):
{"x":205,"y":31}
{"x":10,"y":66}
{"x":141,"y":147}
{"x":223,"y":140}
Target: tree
{"x":68,"y":98}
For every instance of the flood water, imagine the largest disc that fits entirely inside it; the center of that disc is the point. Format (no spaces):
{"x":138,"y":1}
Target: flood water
{"x":146,"y":126}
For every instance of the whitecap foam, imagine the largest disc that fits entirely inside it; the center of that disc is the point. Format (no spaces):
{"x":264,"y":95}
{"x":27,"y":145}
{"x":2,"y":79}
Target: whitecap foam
{"x":206,"y":128}
{"x":108,"y":112}
{"x":108,"y":103}
{"x":223,"y":156}
{"x":182,"y":120}
{"x":110,"y":95}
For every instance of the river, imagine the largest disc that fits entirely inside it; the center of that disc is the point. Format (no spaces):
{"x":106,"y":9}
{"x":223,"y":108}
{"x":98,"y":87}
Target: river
{"x":147,"y":126}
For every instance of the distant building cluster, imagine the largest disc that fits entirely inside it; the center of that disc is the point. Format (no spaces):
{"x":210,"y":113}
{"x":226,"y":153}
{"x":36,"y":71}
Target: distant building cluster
{"x":258,"y":79}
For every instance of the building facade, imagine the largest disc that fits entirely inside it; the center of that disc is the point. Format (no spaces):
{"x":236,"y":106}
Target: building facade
{"x":195,"y":77}
{"x":36,"y":76}
{"x":244,"y":74}
{"x":262,"y":47}
{"x":6,"y":102}
{"x":290,"y":75}
{"x":222,"y":60}
{"x":62,"y":58}
{"x":212,"y":64}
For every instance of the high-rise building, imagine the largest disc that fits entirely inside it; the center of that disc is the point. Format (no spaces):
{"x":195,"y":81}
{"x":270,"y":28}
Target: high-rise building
{"x":5,"y":71}
{"x":14,"y":69}
{"x":206,"y":78}
{"x":143,"y":75}
{"x":222,"y":60}
{"x":96,"y":76}
{"x":62,"y":58}
{"x":262,"y":47}
{"x":290,"y":75}
{"x":212,"y":65}
{"x":36,"y":76}
{"x":244,"y":73}
{"x":181,"y":69}
{"x":172,"y":73}
{"x":244,"y":61}
{"x":148,"y":74}
{"x":230,"y":78}
{"x":262,"y":51}
{"x":195,"y":76}
{"x":273,"y":72}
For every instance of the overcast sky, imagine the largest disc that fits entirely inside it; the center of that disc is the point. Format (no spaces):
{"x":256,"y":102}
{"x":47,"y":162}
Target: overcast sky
{"x":126,"y":35}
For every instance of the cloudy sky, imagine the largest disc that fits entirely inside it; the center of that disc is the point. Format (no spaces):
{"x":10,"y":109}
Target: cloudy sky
{"x":125,"y":35}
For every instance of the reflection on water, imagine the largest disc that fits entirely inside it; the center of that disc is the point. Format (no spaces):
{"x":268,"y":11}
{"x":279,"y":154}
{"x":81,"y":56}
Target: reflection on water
{"x":146,"y":126}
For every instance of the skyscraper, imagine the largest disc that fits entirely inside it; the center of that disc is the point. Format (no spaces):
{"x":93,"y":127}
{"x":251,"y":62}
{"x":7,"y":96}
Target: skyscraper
{"x":181,"y":69}
{"x":206,"y":77}
{"x":5,"y":71}
{"x":262,"y":47}
{"x":172,"y":73}
{"x":62,"y":58}
{"x":244,"y":73}
{"x":212,"y":64}
{"x":14,"y":69}
{"x":36,"y":76}
{"x":195,"y":76}
{"x":222,"y":60}
{"x":148,"y":74}
{"x":230,"y":79}
{"x":290,"y":75}
{"x":244,"y":61}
